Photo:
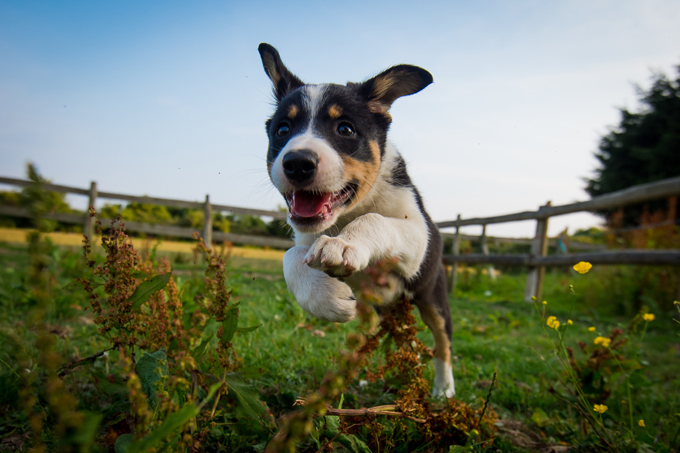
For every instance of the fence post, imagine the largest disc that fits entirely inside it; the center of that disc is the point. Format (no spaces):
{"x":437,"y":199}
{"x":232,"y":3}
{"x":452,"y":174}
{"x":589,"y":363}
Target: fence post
{"x":88,"y":227}
{"x":454,"y":266}
{"x":485,"y":251}
{"x":539,"y":247}
{"x":207,"y":222}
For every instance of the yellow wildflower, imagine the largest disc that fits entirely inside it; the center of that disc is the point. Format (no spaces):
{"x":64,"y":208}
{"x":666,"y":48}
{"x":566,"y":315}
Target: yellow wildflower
{"x":582,"y":267}
{"x":553,"y":323}
{"x":533,"y":298}
{"x":676,"y":303}
{"x":604,"y":341}
{"x":545,"y":302}
{"x":600,"y":408}
{"x":591,"y":329}
{"x":641,"y":423}
{"x":648,"y":317}
{"x":569,"y":322}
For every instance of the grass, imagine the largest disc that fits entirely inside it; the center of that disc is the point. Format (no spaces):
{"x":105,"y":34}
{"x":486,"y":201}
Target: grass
{"x":494,"y":332}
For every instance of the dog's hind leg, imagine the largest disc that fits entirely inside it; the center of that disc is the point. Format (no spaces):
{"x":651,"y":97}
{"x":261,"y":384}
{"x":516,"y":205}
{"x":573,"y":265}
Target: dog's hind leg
{"x":317,"y":293}
{"x":444,"y":385}
{"x":437,"y":316}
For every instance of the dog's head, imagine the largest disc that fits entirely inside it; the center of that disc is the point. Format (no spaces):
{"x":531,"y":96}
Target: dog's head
{"x":326,"y":142}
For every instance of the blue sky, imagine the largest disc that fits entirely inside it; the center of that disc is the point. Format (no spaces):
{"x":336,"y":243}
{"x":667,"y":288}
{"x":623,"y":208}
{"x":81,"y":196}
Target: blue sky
{"x":169,"y":98}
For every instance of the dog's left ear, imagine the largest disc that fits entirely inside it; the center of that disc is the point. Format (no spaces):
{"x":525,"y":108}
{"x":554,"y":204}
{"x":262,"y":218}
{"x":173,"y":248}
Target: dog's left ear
{"x":284,"y":81}
{"x":395,"y":82}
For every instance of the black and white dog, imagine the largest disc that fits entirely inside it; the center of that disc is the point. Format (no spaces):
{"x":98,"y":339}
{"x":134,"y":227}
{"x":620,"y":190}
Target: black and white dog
{"x":351,"y":201}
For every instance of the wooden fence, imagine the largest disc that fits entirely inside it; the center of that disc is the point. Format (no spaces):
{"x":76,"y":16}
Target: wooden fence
{"x":537,"y":260}
{"x":156,"y":229}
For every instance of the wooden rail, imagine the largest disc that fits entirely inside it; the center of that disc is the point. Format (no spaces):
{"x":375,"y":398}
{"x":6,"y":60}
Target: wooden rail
{"x":636,"y":194}
{"x":643,"y":257}
{"x":574,"y":244}
{"x":156,"y":229}
{"x":146,"y":200}
{"x":537,"y":260}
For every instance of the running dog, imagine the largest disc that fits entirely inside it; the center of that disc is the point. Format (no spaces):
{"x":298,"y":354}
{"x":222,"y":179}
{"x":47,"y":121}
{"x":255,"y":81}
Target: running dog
{"x":351,"y":201}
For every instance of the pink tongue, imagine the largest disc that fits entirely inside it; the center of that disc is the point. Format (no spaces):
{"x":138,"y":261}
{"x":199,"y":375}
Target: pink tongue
{"x":307,"y":204}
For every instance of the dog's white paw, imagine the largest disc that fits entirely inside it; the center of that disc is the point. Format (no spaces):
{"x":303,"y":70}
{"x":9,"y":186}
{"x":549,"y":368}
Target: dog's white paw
{"x":325,"y":297}
{"x":443,"y":393}
{"x":336,"y":257}
{"x":444,"y":385}
{"x":318,"y":294}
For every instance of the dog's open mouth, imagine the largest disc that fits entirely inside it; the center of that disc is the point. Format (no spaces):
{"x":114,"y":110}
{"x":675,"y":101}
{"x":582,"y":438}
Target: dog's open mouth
{"x":312,"y":206}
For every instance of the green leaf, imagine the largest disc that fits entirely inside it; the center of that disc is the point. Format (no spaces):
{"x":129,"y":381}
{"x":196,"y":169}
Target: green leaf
{"x":460,"y":449}
{"x":350,"y":442}
{"x":110,"y":385}
{"x":353,"y":443}
{"x":123,"y":443}
{"x":248,"y":329}
{"x":209,"y":332}
{"x":253,"y":372}
{"x":85,"y":434}
{"x":332,"y":424}
{"x":152,"y":370}
{"x":171,"y":424}
{"x":255,"y":418}
{"x":140,"y":275}
{"x":173,"y":345}
{"x":540,"y":417}
{"x":147,"y":288}
{"x":229,"y":325}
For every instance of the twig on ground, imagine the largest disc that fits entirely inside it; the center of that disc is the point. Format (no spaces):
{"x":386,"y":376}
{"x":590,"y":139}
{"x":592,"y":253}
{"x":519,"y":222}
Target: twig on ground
{"x":67,"y":369}
{"x":389,"y":410}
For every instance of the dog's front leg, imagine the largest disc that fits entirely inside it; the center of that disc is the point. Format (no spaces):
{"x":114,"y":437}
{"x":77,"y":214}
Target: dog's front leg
{"x":318,"y":294}
{"x":369,"y":238}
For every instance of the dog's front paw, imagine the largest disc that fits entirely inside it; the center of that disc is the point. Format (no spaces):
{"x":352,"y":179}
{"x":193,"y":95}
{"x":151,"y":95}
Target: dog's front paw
{"x":336,"y":257}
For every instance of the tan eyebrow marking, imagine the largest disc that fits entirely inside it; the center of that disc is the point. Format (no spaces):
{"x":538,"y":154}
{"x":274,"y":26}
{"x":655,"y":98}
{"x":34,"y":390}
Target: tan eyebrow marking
{"x":335,"y":111}
{"x":292,"y":111}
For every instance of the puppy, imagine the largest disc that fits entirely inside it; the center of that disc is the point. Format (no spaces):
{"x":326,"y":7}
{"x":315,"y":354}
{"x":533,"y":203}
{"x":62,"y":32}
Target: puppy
{"x":351,"y":201}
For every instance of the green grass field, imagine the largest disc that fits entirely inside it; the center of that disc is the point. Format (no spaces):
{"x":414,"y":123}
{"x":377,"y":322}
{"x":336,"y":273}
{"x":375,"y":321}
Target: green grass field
{"x":494,"y":332}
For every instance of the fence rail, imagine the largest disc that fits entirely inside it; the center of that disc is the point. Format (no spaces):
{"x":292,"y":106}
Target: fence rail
{"x":146,"y":200}
{"x":573,"y":244}
{"x":636,"y":194}
{"x":148,"y":228}
{"x":537,"y":260}
{"x":644,"y":257}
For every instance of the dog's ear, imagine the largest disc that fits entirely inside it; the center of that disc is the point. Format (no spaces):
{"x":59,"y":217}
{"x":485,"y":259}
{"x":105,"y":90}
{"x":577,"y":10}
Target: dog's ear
{"x":283,"y":80}
{"x":397,"y":81}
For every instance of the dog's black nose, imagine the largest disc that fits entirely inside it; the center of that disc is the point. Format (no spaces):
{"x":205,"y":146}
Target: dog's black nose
{"x":300,"y":166}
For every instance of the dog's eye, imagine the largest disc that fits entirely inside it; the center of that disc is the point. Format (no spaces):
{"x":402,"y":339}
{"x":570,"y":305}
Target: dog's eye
{"x":283,"y":130}
{"x":345,"y":129}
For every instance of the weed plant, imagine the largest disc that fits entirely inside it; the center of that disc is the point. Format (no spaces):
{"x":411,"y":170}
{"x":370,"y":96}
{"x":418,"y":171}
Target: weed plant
{"x":157,"y":370}
{"x":216,"y":355}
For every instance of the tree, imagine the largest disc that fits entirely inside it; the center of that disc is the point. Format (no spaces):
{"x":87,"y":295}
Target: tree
{"x":644,"y":147}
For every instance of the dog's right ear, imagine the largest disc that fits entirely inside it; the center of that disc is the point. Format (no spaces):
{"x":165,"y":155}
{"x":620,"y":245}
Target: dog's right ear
{"x":283,"y":80}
